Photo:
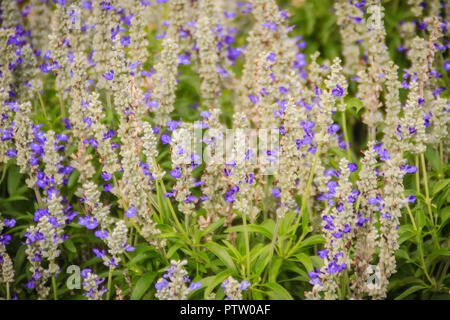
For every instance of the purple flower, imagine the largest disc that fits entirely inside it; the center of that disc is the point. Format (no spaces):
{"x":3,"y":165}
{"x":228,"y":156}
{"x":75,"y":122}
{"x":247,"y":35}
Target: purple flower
{"x":161,"y":284}
{"x":233,"y":53}
{"x":172,"y":125}
{"x":11,"y":153}
{"x":313,"y":274}
{"x":323,"y":254}
{"x":195,"y":286}
{"x":270,"y":25}
{"x":5,"y":239}
{"x":338,"y":91}
{"x":347,"y":228}
{"x":106,"y":176}
{"x":107,"y":187}
{"x":409,"y":169}
{"x":9,"y":223}
{"x":411,"y":198}
{"x":165,"y":138}
{"x":102,"y":234}
{"x":276,"y":192}
{"x":176,"y":173}
{"x":446,"y":65}
{"x":184,"y":58}
{"x":245,"y":285}
{"x":109,"y":76}
{"x":128,"y":247}
{"x":352,"y":167}
{"x":86,"y":221}
{"x":271,"y":57}
{"x":98,"y":253}
{"x":376,"y":200}
{"x":283,"y":90}
{"x":131,"y":212}
{"x":254,"y":99}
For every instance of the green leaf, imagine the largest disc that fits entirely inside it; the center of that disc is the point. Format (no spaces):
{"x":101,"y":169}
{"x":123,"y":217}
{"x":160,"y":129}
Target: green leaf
{"x":212,"y":227}
{"x":222,"y":254}
{"x":354,"y":103}
{"x":142,"y":285}
{"x":439,"y":185}
{"x":305,"y":260}
{"x":174,"y":248}
{"x":277,"y":292}
{"x":12,"y":199}
{"x":420,"y":218}
{"x":409,"y":291}
{"x":312,"y":240}
{"x":275,"y":268}
{"x":251,"y":228}
{"x":433,"y":158}
{"x":219,"y":278}
{"x":445,"y":215}
{"x":13,"y":180}
{"x":70,"y":246}
{"x":263,"y":260}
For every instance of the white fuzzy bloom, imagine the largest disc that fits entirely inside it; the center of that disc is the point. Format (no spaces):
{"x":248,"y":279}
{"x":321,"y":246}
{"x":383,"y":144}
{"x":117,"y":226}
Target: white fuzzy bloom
{"x":91,"y":201}
{"x":91,"y":283}
{"x":150,"y":150}
{"x":6,"y":264}
{"x":40,"y":11}
{"x":366,"y":237}
{"x":164,"y":81}
{"x":182,"y":146}
{"x":172,"y":286}
{"x":209,"y":58}
{"x":232,"y":288}
{"x":117,"y":240}
{"x":52,"y":159}
{"x":350,"y":20}
{"x":393,"y":202}
{"x":23,"y":136}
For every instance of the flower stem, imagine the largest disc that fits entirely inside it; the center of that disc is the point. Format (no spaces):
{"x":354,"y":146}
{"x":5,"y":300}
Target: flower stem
{"x":43,"y":108}
{"x":417,"y":175}
{"x":411,"y":216}
{"x":247,"y":243}
{"x":8,"y":294}
{"x":272,"y":244}
{"x":55,"y":292}
{"x":108,"y":295}
{"x":344,"y":128}
{"x":305,"y":197}
{"x":172,"y":210}
{"x":425,"y":182}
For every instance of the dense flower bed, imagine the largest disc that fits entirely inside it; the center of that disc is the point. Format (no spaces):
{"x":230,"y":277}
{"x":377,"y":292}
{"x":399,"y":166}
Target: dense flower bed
{"x":183,"y":149}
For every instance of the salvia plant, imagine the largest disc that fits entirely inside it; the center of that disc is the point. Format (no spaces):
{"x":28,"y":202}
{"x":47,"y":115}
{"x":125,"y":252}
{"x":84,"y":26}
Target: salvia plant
{"x":200,"y":149}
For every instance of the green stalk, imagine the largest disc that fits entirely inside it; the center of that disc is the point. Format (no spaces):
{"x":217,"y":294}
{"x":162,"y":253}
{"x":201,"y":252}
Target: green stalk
{"x":8,"y":294}
{"x":63,"y":111}
{"x":417,"y":175}
{"x":425,"y":182}
{"x":158,"y":199}
{"x":272,"y":244}
{"x":419,"y":244}
{"x":305,"y":197}
{"x":411,"y":216}
{"x":55,"y":293}
{"x":344,"y":128}
{"x":247,"y":243}
{"x":172,"y":210}
{"x":108,"y":295}
{"x":43,"y":109}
